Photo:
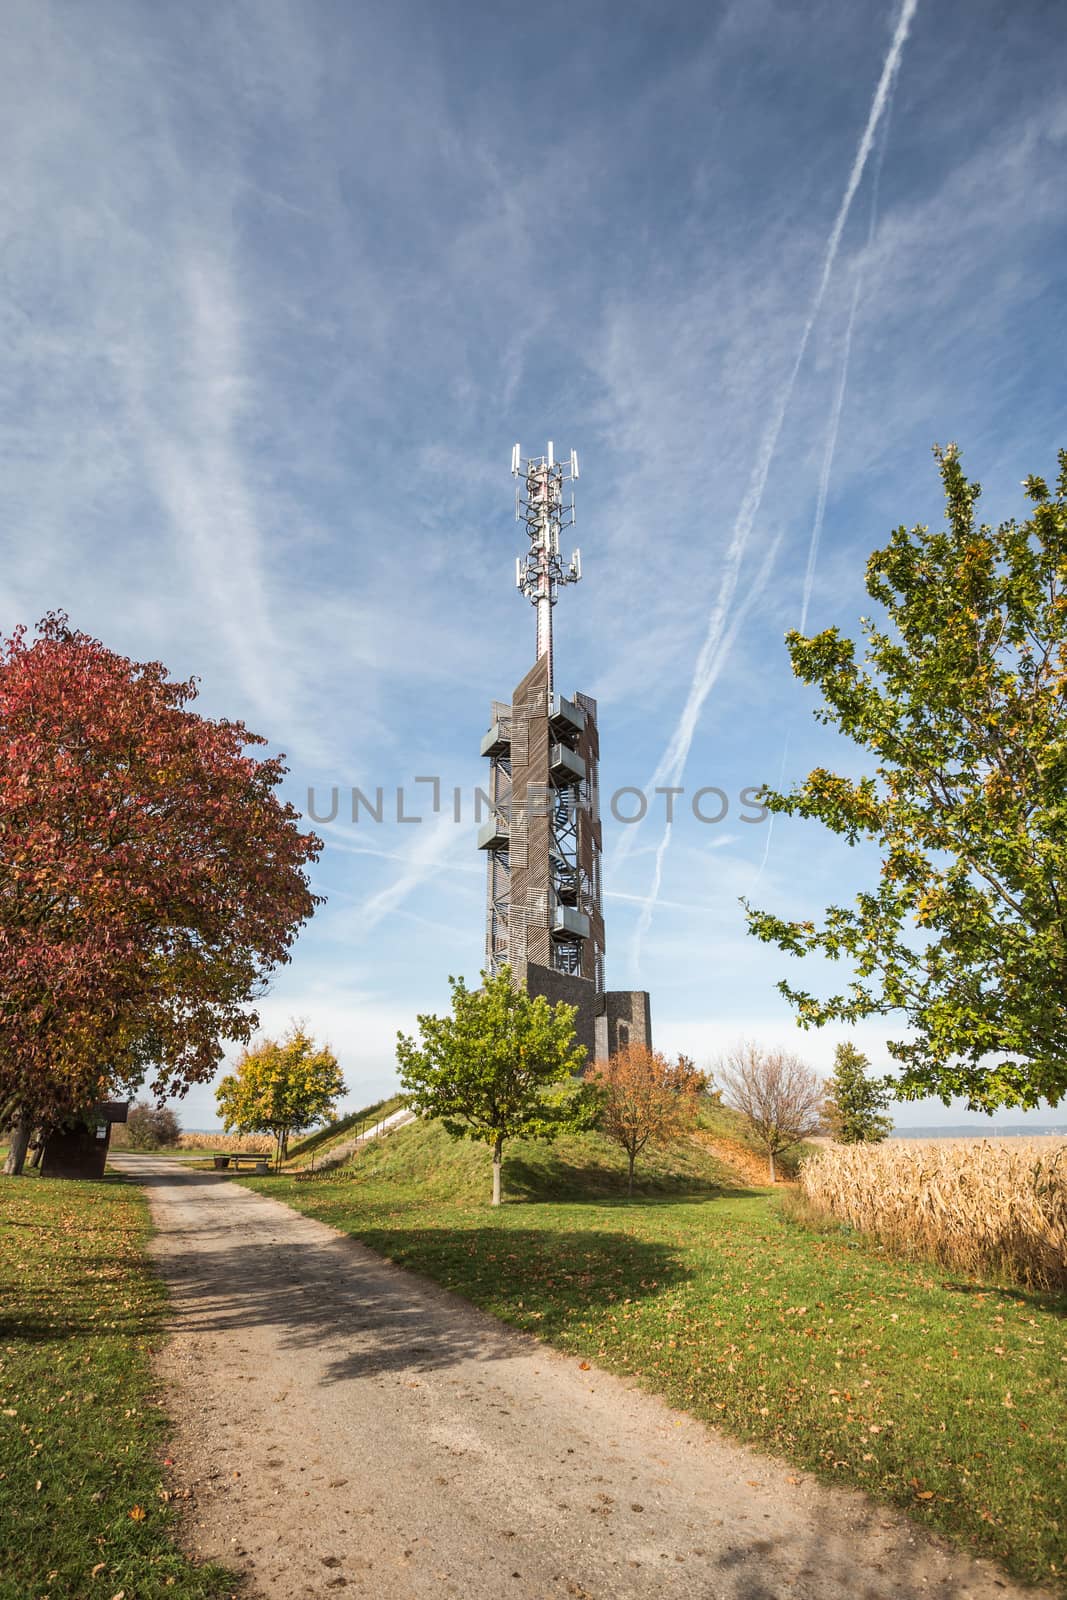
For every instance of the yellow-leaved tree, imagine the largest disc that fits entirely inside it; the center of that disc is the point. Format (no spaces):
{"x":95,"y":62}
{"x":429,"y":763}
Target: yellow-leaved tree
{"x":281,"y":1086}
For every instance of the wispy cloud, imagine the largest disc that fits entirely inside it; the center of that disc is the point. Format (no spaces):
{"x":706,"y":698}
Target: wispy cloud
{"x":432,"y":850}
{"x":276,"y":299}
{"x":710,"y":658}
{"x":199,"y":469}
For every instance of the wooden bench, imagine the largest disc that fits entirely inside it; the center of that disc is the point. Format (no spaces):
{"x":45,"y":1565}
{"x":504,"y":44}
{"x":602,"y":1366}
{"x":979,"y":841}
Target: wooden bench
{"x":222,"y":1161}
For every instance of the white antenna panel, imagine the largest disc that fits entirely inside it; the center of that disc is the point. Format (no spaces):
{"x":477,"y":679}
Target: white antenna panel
{"x":515,"y":460}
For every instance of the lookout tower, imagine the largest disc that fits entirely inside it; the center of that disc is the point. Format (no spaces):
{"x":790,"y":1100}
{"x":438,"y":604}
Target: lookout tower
{"x":544,"y":908}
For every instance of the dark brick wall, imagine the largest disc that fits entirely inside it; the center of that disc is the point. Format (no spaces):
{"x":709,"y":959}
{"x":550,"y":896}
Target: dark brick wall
{"x":627,"y":1019}
{"x":580,"y":992}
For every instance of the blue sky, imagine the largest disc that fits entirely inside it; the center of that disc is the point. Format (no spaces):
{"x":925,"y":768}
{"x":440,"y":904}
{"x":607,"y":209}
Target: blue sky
{"x":283,"y":283}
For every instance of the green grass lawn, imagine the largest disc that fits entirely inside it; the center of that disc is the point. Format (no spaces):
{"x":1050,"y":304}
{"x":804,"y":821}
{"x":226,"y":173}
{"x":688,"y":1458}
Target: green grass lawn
{"x":81,"y":1438}
{"x":929,"y":1390}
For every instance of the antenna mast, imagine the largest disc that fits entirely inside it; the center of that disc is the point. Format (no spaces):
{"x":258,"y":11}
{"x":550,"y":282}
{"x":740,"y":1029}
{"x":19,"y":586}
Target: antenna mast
{"x":540,"y":505}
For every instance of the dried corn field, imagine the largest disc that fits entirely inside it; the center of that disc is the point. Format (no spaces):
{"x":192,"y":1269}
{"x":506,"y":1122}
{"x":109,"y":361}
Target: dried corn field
{"x":986,"y":1206}
{"x":246,"y":1144}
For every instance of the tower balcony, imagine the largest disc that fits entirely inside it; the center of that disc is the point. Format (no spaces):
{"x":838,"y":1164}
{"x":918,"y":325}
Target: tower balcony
{"x":565,"y":718}
{"x":497,"y":742}
{"x":565,"y":882}
{"x":565,"y":765}
{"x":568,"y":923}
{"x":494,"y":834}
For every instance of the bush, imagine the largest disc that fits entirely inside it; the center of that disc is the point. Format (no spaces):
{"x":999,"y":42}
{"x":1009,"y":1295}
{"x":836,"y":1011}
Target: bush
{"x":151,"y":1127}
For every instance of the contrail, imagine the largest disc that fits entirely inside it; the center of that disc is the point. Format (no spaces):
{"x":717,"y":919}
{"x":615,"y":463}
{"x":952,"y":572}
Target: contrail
{"x":715,"y":666}
{"x":828,"y":457}
{"x":709,"y":662}
{"x":829,"y":452}
{"x":839,"y":398}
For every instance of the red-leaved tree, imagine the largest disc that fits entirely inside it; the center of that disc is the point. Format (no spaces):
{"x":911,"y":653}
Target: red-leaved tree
{"x":152,"y":879}
{"x":646,"y":1098}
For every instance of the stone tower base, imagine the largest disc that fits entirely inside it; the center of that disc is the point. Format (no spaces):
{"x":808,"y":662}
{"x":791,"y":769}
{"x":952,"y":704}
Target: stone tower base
{"x":605,"y":1023}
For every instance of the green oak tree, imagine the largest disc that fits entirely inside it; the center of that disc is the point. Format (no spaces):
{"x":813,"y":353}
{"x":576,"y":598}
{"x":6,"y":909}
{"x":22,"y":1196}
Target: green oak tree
{"x":855,"y":1105}
{"x":960,"y":702}
{"x":281,"y":1086}
{"x":500,"y":1067}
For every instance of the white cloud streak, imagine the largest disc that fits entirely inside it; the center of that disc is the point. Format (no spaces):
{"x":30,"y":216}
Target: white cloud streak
{"x":427,"y":857}
{"x":198,"y":471}
{"x":715,"y":666}
{"x":711,"y":657}
{"x":829,"y":453}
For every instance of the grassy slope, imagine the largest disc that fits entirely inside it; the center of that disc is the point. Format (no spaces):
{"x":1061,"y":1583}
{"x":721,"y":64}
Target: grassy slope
{"x":728,"y":1132}
{"x":934,"y":1392}
{"x":80,"y":1437}
{"x":323,"y":1140}
{"x":583,"y":1166}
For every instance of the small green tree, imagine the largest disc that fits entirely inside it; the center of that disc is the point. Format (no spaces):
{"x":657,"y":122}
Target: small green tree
{"x":959,"y":704}
{"x":855,"y":1103}
{"x":281,"y":1086}
{"x":489,"y":1069}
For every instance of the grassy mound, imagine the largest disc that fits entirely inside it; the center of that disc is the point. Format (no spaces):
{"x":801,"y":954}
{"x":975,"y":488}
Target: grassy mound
{"x":323,"y":1140}
{"x":423,"y":1159}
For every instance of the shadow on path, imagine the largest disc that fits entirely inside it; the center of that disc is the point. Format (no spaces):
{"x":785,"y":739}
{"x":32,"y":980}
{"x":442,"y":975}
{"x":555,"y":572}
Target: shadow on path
{"x":370,"y":1317}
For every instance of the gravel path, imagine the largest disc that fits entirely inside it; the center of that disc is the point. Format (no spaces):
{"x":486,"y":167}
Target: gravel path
{"x":345,"y":1426}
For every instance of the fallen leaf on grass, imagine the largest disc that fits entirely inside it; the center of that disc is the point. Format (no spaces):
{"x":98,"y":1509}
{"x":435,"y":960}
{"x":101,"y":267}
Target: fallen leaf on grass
{"x":136,"y":1513}
{"x":100,"y":1565}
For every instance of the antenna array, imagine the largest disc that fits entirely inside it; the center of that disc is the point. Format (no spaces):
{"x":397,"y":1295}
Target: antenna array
{"x":540,"y":504}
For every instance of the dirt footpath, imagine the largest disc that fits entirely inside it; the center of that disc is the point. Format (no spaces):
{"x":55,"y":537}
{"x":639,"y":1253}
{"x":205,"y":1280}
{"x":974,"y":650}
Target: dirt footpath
{"x":346,"y":1427}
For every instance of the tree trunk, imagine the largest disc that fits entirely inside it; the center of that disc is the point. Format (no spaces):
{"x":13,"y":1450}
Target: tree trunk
{"x":498,"y":1156}
{"x":630,"y":1176}
{"x":38,"y":1148}
{"x":770,"y":1158}
{"x":20,"y":1132}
